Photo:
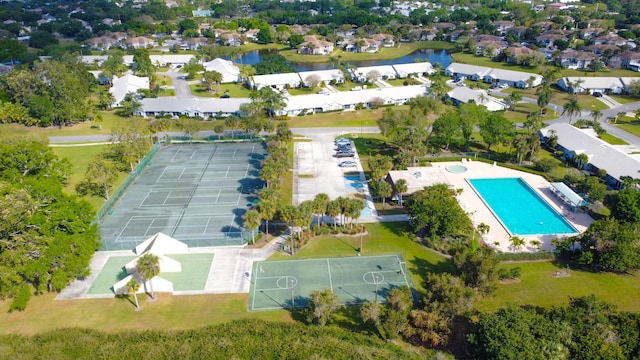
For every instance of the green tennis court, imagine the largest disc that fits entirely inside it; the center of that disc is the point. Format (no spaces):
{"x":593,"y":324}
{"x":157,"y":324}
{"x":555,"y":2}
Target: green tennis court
{"x":195,"y":193}
{"x":276,"y":284}
{"x":193,"y":277}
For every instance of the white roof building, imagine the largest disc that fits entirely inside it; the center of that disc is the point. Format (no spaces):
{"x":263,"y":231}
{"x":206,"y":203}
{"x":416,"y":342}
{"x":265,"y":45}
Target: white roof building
{"x":463,"y":95}
{"x":323,"y":75}
{"x":362,"y":74}
{"x":349,"y":100}
{"x":277,"y":81}
{"x":170,"y":60}
{"x":418,"y":178}
{"x":127,"y":84}
{"x":197,"y":107}
{"x":419,"y":68}
{"x":591,"y":84}
{"x":617,"y":161}
{"x":518,"y":79}
{"x":93,"y":59}
{"x":230,"y":72}
{"x":471,"y":71}
{"x":161,"y":244}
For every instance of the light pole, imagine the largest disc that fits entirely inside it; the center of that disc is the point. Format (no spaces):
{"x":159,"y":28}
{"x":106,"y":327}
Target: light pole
{"x":292,"y":297}
{"x":375,"y":280}
{"x":360,"y":250}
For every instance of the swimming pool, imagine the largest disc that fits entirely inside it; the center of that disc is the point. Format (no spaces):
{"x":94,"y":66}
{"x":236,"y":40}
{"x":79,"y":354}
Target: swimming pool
{"x":354,"y":184}
{"x":520,"y":209}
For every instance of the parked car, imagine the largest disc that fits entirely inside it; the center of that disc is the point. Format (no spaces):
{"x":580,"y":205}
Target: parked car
{"x":342,"y":141}
{"x":461,"y":84}
{"x":345,"y":154}
{"x":348,"y":163}
{"x":344,"y":147}
{"x":503,"y":86}
{"x":597,"y":94}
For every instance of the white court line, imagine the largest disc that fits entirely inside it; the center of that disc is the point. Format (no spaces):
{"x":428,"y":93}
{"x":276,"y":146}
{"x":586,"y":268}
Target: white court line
{"x":204,"y":232}
{"x":143,"y":200}
{"x":246,"y":171}
{"x":123,"y":229}
{"x":176,"y":154}
{"x":238,"y":201}
{"x":146,"y":232}
{"x":217,"y":197}
{"x":227,"y":173}
{"x":193,"y":154}
{"x":161,"y":175}
{"x":167,"y":197}
{"x":329,"y":269}
{"x":181,"y":173}
{"x":234,"y":153}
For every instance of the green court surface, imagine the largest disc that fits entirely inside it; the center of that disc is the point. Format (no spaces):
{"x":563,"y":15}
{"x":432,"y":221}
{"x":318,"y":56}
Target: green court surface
{"x":275,"y":284}
{"x":195,"y":193}
{"x":193,"y":277}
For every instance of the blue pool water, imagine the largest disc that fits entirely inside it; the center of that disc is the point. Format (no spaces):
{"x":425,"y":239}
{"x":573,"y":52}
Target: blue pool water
{"x":353,"y":183}
{"x":520,"y":208}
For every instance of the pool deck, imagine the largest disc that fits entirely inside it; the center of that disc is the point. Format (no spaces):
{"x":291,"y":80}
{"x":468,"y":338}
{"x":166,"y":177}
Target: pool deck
{"x":498,"y":237}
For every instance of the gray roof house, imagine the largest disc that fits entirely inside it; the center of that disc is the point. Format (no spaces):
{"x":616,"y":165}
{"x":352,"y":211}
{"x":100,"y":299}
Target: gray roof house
{"x":602,"y":155}
{"x":591,"y":84}
{"x":473,"y":72}
{"x":196,"y":107}
{"x":517,"y":79}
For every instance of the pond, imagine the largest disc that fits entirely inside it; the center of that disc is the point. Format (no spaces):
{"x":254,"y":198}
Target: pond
{"x":433,"y":56}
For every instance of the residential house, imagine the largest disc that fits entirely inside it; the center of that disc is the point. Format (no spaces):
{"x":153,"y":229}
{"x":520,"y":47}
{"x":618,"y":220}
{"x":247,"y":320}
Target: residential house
{"x":514,"y":54}
{"x":251,"y":34}
{"x":484,"y":37}
{"x":332,"y":76}
{"x":490,"y":48}
{"x":503,"y":26}
{"x":610,"y":40}
{"x":600,"y":49}
{"x":312,"y":45}
{"x":444,"y":26}
{"x":464,"y":95}
{"x":545,"y":25}
{"x":125,"y":85}
{"x":139,"y":42}
{"x":96,"y":60}
{"x":102,"y":43}
{"x":202,"y":13}
{"x":350,"y":100}
{"x":572,"y":59}
{"x":173,"y":61}
{"x":519,"y":31}
{"x":626,"y":82}
{"x":473,"y":72}
{"x":456,"y":34}
{"x":362,"y":45}
{"x":516,"y":79}
{"x":299,"y":30}
{"x":616,"y":161}
{"x":547,"y":39}
{"x":384,"y":40}
{"x":195,"y":43}
{"x":601,"y":84}
{"x":277,"y":81}
{"x":630,"y":60}
{"x":196,"y":107}
{"x":230,"y":39}
{"x":230,"y":73}
{"x":417,"y":68}
{"x":590,"y":33}
{"x":369,"y":73}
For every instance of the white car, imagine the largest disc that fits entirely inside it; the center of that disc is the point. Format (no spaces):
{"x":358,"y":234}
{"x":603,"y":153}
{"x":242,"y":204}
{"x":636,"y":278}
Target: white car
{"x":503,"y":86}
{"x":348,"y":164}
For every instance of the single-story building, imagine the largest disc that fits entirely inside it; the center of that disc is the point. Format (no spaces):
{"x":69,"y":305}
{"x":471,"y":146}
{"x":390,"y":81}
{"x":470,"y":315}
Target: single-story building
{"x":230,"y":72}
{"x":590,"y":85}
{"x":472,"y":72}
{"x":277,"y":81}
{"x":350,"y":100}
{"x":125,"y":85}
{"x":93,"y":59}
{"x":170,"y":60}
{"x":327,"y":76}
{"x":464,"y":95}
{"x":517,"y":79}
{"x":418,"y":68}
{"x":417,"y":178}
{"x":197,"y":107}
{"x":602,"y":155}
{"x":364,"y":74}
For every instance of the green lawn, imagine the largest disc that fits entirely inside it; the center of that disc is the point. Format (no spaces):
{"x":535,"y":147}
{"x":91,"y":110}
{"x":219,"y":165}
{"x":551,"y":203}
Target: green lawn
{"x":485,"y":61}
{"x":558,"y":97}
{"x":613,"y":140}
{"x":631,"y":128}
{"x":382,"y":238}
{"x":624,"y":99}
{"x":235,"y":90}
{"x":340,"y":118}
{"x":303,"y":91}
{"x":519,"y":114}
{"x":540,"y":288}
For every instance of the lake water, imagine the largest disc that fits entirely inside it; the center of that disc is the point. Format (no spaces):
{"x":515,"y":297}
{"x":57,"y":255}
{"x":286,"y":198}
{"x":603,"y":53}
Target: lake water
{"x":433,"y":56}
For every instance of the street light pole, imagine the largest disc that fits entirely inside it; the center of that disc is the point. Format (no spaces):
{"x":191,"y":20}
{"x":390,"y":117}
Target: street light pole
{"x":375,"y":280}
{"x":292,"y":297}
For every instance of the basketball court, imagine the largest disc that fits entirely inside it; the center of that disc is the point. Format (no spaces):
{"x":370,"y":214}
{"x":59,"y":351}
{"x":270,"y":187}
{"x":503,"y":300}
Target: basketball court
{"x":195,"y":193}
{"x":287,"y":284}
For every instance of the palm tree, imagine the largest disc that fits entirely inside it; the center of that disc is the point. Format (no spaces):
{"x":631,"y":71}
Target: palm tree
{"x":536,"y":244}
{"x":544,"y":96}
{"x":334,"y":208}
{"x":533,"y":121}
{"x":267,"y":210}
{"x":581,"y":160}
{"x":148,"y":267}
{"x":246,"y":73}
{"x":132,"y":288}
{"x":576,"y":84}
{"x":288,"y":215}
{"x":571,"y":108}
{"x":483,"y":228}
{"x":514,"y":98}
{"x":252,"y":220}
{"x":619,"y":115}
{"x":320,"y":204}
{"x":596,"y":115}
{"x":516,"y":242}
{"x":401,"y":188}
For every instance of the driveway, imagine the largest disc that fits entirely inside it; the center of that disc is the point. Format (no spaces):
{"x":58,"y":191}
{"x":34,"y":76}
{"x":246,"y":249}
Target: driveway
{"x":180,"y":84}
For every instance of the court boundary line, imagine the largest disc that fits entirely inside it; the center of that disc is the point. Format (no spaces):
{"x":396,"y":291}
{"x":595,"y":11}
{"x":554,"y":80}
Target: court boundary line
{"x":399,"y":262}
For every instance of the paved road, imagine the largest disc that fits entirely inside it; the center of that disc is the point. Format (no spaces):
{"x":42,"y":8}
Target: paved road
{"x":180,"y":85}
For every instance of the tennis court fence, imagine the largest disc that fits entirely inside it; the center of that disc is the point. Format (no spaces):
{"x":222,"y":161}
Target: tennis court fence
{"x":108,"y":205}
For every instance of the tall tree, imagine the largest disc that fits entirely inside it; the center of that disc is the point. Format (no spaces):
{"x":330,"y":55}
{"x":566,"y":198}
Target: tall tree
{"x":496,"y":129}
{"x":268,"y":100}
{"x":401,"y":188}
{"x":252,"y":221}
{"x":148,"y":267}
{"x":571,"y":108}
{"x":132,"y":288}
{"x":320,"y":204}
{"x":267,"y":211}
{"x":323,"y":305}
{"x":212,"y":79}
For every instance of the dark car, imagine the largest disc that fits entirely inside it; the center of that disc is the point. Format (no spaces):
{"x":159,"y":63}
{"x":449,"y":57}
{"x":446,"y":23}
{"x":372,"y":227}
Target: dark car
{"x":597,"y":94}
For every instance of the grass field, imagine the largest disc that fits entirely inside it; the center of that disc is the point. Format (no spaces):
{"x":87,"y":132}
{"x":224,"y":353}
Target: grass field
{"x":235,"y":90}
{"x":587,"y":102}
{"x":613,"y":140}
{"x":631,"y":128}
{"x":539,"y":288}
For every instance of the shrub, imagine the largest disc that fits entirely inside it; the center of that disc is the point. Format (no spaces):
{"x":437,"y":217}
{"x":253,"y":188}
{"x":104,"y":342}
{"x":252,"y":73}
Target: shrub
{"x":22,"y":298}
